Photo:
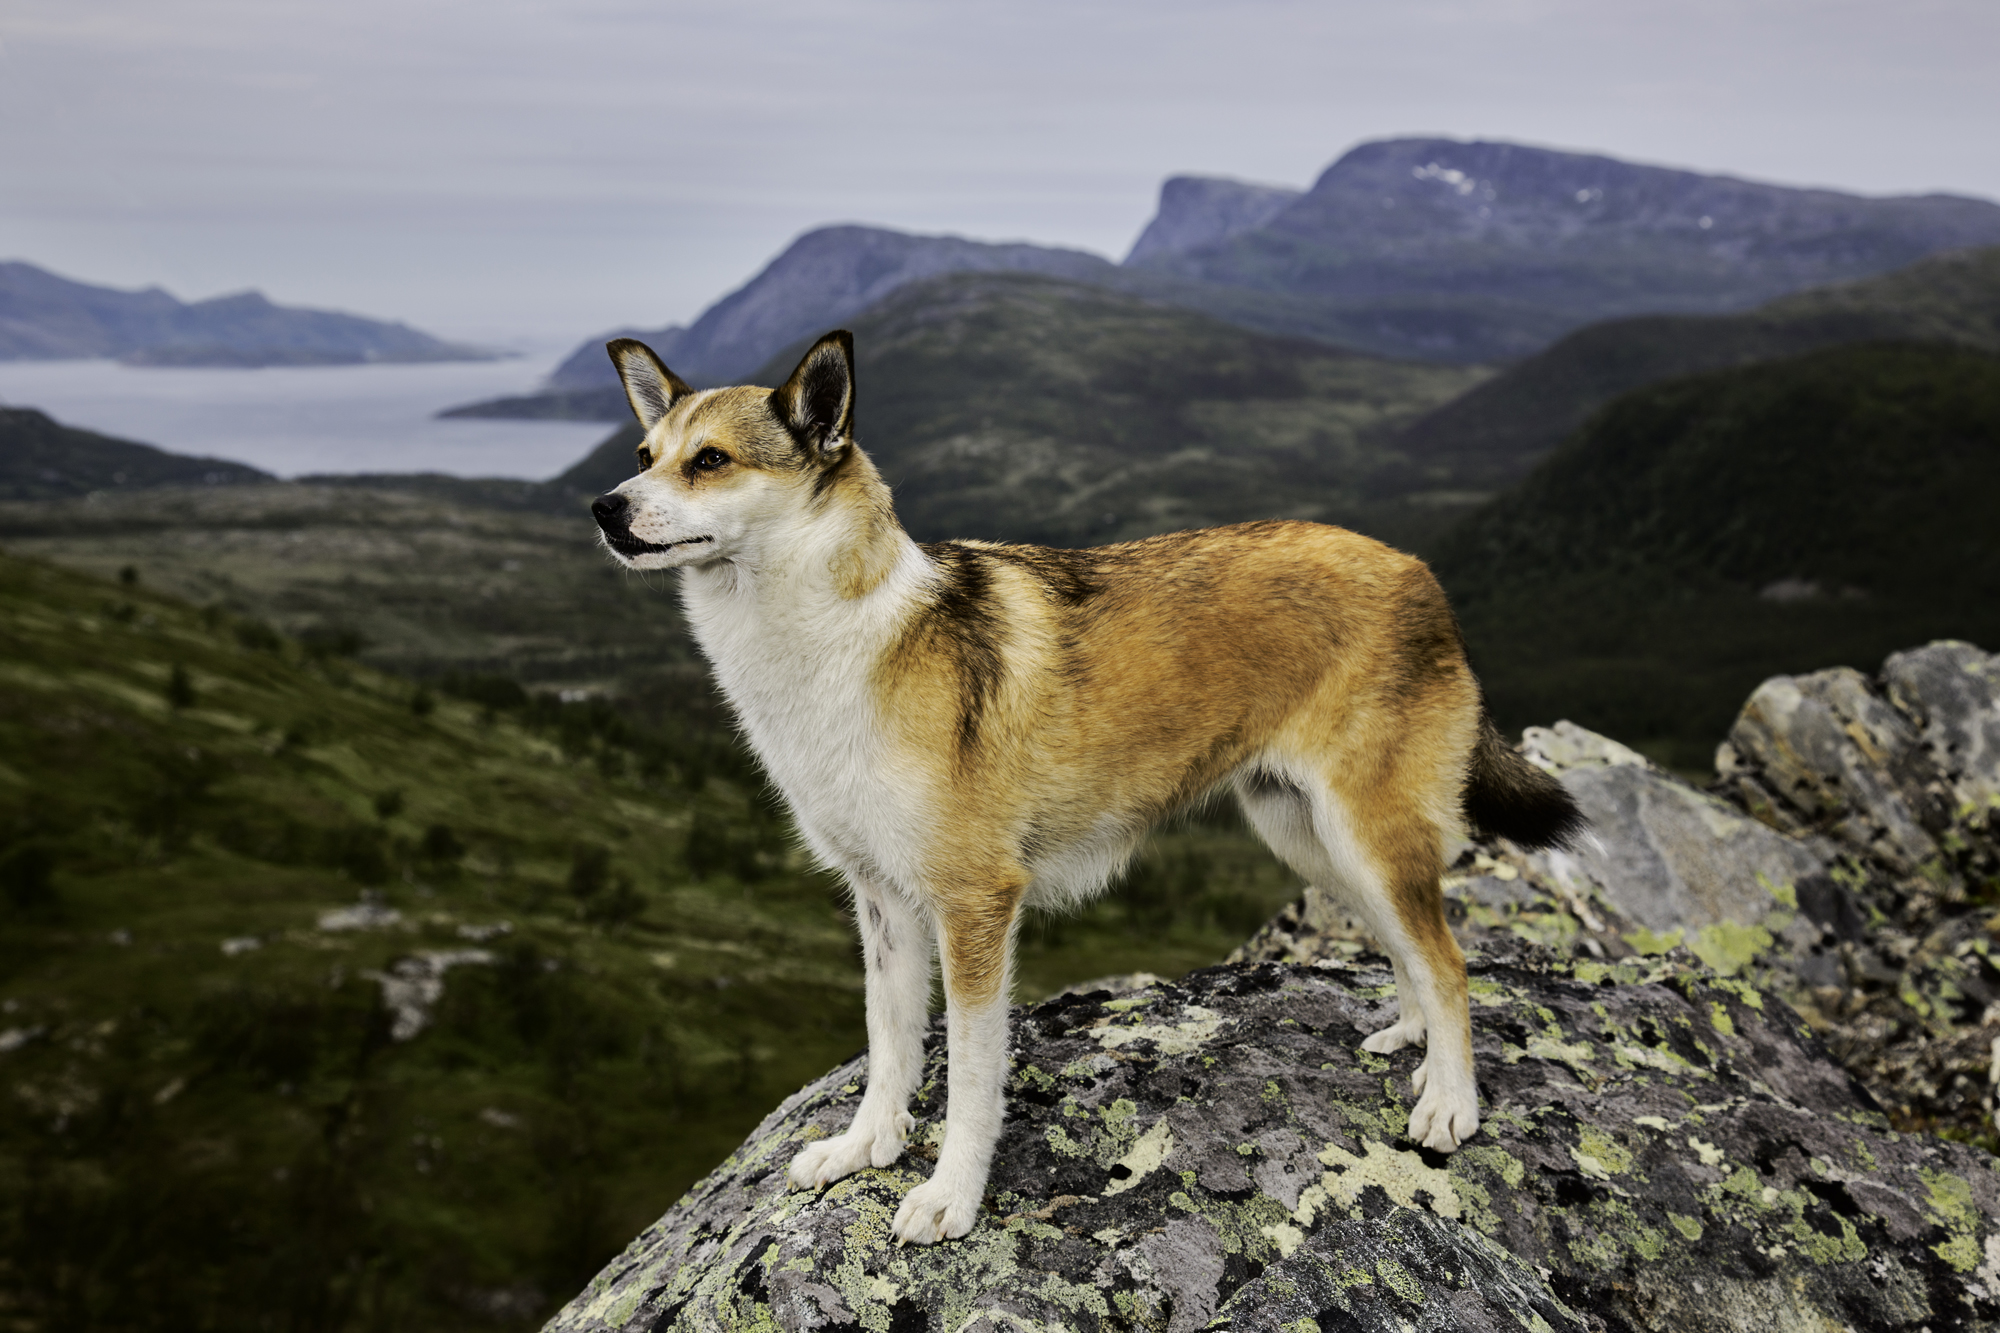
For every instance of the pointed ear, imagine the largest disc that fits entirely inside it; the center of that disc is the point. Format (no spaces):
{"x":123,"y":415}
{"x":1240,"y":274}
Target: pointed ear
{"x":649,"y":386}
{"x":817,"y":402}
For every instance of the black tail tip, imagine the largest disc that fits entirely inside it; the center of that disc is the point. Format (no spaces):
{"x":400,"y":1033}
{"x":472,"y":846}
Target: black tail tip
{"x":1508,"y":797}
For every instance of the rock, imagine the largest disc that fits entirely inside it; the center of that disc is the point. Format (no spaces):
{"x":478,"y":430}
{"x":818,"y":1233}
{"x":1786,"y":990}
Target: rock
{"x":1663,"y":854}
{"x":1847,"y":859}
{"x":1663,"y":1150}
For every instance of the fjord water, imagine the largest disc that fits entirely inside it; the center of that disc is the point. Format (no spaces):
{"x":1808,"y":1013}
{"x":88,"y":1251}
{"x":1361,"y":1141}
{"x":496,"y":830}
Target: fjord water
{"x":297,"y":420}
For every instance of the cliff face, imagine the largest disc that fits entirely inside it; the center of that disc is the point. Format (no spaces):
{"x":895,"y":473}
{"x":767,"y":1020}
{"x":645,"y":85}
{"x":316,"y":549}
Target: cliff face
{"x":1670,"y":1142}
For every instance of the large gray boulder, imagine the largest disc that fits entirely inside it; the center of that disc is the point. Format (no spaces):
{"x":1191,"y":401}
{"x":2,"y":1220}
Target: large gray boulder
{"x":1662,"y":1151}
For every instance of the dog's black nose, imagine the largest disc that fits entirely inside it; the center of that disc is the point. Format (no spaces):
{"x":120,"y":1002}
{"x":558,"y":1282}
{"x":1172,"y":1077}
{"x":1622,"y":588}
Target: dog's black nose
{"x":609,"y":510}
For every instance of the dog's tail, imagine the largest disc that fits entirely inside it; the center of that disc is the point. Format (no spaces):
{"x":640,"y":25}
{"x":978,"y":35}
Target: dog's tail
{"x":1508,"y":797}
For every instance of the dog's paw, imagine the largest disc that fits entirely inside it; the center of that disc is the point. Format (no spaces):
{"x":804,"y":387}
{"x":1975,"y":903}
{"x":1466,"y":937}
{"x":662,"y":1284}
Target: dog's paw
{"x":820,"y":1164}
{"x":1403,"y":1032}
{"x":936,"y":1210}
{"x":1442,"y":1120}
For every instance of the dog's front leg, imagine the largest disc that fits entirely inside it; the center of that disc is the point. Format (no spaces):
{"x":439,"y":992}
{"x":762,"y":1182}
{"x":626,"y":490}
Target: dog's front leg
{"x":896,"y":953}
{"x":977,"y":945}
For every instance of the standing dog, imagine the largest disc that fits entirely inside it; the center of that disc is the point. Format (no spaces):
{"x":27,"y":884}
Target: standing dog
{"x":966,"y":729}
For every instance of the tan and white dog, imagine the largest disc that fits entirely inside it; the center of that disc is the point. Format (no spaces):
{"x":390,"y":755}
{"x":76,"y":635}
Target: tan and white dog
{"x":966,"y":729}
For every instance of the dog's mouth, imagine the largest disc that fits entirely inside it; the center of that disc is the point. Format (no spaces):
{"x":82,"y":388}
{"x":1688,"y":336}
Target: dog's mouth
{"x":626,"y":544}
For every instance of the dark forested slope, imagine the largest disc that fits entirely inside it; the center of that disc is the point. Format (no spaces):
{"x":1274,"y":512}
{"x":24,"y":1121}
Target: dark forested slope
{"x":1699,"y":535}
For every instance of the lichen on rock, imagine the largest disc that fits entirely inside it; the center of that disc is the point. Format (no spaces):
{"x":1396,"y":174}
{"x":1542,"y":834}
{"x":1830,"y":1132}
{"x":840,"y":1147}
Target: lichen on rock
{"x":1220,"y":1152}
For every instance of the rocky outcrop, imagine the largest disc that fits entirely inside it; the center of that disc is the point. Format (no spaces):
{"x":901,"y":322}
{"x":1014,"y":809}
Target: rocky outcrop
{"x":1662,"y":1150}
{"x":1847,"y":858}
{"x":1668,"y":1143}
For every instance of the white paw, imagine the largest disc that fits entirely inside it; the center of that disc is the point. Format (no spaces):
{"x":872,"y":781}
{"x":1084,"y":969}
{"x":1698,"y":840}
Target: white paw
{"x":878,"y":1144}
{"x":1404,"y":1032}
{"x":1443,"y":1120}
{"x":936,"y":1210}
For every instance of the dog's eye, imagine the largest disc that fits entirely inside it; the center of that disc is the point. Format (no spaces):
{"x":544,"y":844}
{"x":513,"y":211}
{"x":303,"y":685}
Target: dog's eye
{"x":645,"y":459}
{"x":710,"y":459}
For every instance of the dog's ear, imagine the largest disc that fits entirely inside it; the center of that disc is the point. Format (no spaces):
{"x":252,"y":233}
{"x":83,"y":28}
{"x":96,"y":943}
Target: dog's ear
{"x":649,"y":386}
{"x":817,"y":402}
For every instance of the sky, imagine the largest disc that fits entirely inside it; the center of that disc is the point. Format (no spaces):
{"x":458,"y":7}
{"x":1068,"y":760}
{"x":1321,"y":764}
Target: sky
{"x":536,"y":171}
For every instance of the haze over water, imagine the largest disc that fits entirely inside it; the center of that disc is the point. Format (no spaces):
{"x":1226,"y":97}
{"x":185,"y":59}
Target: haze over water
{"x":298,"y":420}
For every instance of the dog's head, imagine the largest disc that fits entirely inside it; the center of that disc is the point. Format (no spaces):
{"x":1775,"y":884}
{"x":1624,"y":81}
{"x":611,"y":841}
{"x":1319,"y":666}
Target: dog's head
{"x":724,"y":471}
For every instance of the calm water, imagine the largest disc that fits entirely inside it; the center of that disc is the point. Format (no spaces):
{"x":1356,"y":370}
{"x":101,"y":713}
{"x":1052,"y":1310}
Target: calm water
{"x":295,"y":420}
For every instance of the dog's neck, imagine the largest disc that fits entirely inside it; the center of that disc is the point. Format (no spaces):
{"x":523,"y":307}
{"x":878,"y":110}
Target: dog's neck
{"x":838,"y":572}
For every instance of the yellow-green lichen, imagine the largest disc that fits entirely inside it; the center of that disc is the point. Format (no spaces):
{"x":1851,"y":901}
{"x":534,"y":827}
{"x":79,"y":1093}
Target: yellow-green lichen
{"x":1598,"y":1154}
{"x":1402,"y":1176}
{"x":1146,"y":1154}
{"x":1647,"y":942}
{"x":1397,"y":1278}
{"x":1951,"y":1207}
{"x":1729,"y":947}
{"x":1687,"y":1226}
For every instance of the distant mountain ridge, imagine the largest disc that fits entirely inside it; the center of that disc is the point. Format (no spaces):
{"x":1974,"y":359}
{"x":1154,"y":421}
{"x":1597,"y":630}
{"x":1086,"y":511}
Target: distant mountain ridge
{"x":1563,"y":239}
{"x":1199,"y":211}
{"x":825,"y":276}
{"x":1419,"y":249}
{"x":47,"y":317}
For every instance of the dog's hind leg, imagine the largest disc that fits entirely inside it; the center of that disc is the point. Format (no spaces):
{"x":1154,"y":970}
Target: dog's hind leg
{"x":1396,"y":853}
{"x":896,"y":952}
{"x":976,"y":945}
{"x":1383,"y":862}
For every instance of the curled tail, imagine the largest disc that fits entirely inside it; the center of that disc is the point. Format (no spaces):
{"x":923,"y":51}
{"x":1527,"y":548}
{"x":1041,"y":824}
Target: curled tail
{"x":1508,"y":797}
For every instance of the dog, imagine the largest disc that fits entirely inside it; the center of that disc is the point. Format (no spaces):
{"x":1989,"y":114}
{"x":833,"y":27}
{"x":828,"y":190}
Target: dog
{"x":967,"y":729}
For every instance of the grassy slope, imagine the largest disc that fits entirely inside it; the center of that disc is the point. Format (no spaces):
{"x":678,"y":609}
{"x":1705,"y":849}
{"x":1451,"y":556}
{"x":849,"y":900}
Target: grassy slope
{"x":430,"y":579}
{"x":195,"y":1137}
{"x":1619,"y":585}
{"x":1028,"y":409}
{"x":1492,"y":435}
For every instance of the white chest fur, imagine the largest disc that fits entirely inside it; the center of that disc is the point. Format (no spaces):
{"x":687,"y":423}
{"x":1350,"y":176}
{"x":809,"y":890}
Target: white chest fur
{"x":797,"y":662}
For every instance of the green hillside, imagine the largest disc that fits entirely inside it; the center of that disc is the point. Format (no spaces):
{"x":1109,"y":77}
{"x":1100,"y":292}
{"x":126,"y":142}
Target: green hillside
{"x":1700,"y":535}
{"x":1023,"y":408}
{"x":231,"y":868}
{"x":1495,"y":433}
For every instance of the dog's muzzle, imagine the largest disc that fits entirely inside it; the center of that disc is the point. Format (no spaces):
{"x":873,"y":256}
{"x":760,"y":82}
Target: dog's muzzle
{"x":613,"y":513}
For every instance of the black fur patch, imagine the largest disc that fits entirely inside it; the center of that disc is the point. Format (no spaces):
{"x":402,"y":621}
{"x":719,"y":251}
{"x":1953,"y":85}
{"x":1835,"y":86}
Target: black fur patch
{"x":1508,"y":797}
{"x":1068,"y":578}
{"x":962,"y":614}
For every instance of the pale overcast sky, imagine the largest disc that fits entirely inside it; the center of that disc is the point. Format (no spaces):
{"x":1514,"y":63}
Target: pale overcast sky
{"x":523,"y":167}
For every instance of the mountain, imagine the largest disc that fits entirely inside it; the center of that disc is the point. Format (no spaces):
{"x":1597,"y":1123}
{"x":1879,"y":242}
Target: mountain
{"x":1700,"y":535}
{"x":1488,"y":251}
{"x":41,"y":459}
{"x":1199,"y":211}
{"x":46,"y":317}
{"x":1025,"y":408}
{"x":1491,"y":437}
{"x":822,"y":279}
